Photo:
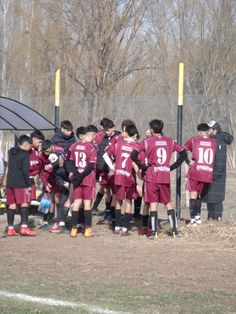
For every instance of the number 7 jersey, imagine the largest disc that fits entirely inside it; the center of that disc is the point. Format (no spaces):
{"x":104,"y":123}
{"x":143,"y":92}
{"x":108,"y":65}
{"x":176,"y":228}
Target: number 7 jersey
{"x":203,"y":154}
{"x":158,"y":150}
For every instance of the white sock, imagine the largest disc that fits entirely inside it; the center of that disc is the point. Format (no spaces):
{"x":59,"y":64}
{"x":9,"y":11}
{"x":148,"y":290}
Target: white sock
{"x":62,"y":224}
{"x":10,"y":227}
{"x":24,"y":226}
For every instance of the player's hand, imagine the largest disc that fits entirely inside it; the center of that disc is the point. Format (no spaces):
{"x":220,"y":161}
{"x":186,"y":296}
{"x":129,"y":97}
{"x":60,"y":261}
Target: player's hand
{"x":48,"y":187}
{"x":71,"y":175}
{"x":67,"y":185}
{"x":192,"y":162}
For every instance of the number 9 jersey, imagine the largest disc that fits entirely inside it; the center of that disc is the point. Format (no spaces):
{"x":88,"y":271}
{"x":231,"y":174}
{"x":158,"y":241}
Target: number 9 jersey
{"x":203,"y":155}
{"x":158,"y":150}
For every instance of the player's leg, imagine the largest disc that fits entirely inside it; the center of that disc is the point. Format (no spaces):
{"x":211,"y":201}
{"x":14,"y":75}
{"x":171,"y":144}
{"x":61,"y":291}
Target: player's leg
{"x":171,"y":212}
{"x":98,"y":200}
{"x":151,"y":196}
{"x":153,"y":218}
{"x":138,"y":202}
{"x":10,"y":212}
{"x":78,"y":199}
{"x":88,"y":197}
{"x":127,"y":217}
{"x":193,"y":207}
{"x":118,"y":216}
{"x":58,"y":214}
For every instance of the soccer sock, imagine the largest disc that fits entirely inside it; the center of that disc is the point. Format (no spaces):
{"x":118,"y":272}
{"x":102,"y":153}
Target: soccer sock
{"x":145,"y":220}
{"x":113,"y":219}
{"x":218,"y":211}
{"x":117,"y":217}
{"x":59,"y":213}
{"x":81,"y":217}
{"x":74,"y":218}
{"x":192,"y":208}
{"x":153,"y":218}
{"x":50,"y":217}
{"x":65,"y":213}
{"x":98,"y":199}
{"x":198,"y":206}
{"x":45,"y":218}
{"x":126,"y":220}
{"x":172,"y":218}
{"x":24,"y":214}
{"x":137,"y":206}
{"x":10,"y":217}
{"x":87,"y":218}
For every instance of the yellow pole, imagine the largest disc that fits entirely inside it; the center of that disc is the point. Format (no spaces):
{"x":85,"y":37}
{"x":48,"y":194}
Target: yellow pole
{"x":181,"y":85}
{"x":57,"y":97}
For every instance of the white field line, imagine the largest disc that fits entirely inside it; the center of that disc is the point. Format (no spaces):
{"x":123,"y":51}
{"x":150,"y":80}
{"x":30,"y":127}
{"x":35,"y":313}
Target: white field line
{"x":54,"y":302}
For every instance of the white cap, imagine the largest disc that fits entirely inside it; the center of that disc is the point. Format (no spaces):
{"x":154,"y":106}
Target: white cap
{"x":211,"y":123}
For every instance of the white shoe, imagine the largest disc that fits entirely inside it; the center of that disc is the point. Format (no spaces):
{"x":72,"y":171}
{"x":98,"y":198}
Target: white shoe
{"x":192,"y":223}
{"x":198,"y":220}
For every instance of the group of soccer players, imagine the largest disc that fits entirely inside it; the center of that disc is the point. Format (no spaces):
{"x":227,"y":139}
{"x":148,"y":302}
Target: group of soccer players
{"x":126,"y":170}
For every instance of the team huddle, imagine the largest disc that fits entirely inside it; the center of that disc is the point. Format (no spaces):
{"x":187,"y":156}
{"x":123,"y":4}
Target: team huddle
{"x":127,"y":171}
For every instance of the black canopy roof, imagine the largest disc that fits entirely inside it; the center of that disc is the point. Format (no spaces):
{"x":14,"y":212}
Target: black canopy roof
{"x":15,"y":115}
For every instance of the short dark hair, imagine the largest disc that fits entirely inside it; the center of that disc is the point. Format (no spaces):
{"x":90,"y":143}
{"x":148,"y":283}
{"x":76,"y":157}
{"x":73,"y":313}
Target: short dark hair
{"x":80,"y":131}
{"x":203,"y":127}
{"x":24,"y":138}
{"x":46,"y":144}
{"x":131,"y":130}
{"x":109,"y":125}
{"x":103,"y":122}
{"x":67,"y":125}
{"x":37,"y":134}
{"x":92,"y":128}
{"x":157,"y":126}
{"x":126,"y":123}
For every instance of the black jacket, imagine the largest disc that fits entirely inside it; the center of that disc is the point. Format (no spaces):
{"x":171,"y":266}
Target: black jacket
{"x":61,"y":176}
{"x":18,"y":168}
{"x":63,"y":140}
{"x":215,"y":192}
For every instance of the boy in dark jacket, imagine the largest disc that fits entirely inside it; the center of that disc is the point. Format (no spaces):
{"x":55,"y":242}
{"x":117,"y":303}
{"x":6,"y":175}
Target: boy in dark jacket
{"x":64,"y":136}
{"x":18,"y":186}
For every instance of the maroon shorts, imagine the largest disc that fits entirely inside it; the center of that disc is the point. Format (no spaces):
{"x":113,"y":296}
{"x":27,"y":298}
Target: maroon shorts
{"x":82,"y":192}
{"x":194,"y":186}
{"x":106,"y":180}
{"x":17,"y":196}
{"x":157,"y":193}
{"x":125,"y":192}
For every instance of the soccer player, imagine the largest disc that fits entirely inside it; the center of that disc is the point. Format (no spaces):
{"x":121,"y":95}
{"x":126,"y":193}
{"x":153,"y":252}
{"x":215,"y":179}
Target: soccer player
{"x":203,"y":149}
{"x":125,"y":178}
{"x":64,"y":136}
{"x":82,"y":167}
{"x":18,"y":186}
{"x":37,"y":139}
{"x":158,"y":150}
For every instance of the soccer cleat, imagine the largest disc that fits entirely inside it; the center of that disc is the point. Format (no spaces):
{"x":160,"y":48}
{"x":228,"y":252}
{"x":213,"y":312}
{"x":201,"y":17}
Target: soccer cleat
{"x":192,"y":223}
{"x":11,"y":232}
{"x":55,"y":228}
{"x":153,"y":236}
{"x":26,"y":231}
{"x":73,"y":233}
{"x":124,"y":233}
{"x":88,"y":233}
{"x":117,"y":230}
{"x":175,"y":233}
{"x":198,"y":220}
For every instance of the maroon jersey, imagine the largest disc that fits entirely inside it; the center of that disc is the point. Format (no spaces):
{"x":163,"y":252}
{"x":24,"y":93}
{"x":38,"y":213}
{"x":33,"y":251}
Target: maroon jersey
{"x":35,"y":164}
{"x":203,"y":154}
{"x":99,"y":137}
{"x":116,"y":138}
{"x":46,"y":174}
{"x":124,"y":172}
{"x":82,"y":153}
{"x":158,"y":150}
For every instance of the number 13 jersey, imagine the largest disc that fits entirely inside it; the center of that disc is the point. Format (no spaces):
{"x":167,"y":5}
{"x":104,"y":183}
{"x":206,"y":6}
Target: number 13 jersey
{"x":203,"y":154}
{"x":158,"y":150}
{"x":83,"y":153}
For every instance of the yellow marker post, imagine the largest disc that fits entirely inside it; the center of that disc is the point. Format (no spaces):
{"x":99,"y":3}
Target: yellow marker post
{"x":179,"y":134}
{"x":57,"y":97}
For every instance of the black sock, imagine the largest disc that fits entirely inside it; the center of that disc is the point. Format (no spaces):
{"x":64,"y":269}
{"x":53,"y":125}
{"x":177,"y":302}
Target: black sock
{"x":59,"y":213}
{"x":10,"y":217}
{"x":117,"y":217}
{"x":198,"y":206}
{"x":98,"y":199}
{"x":112,"y":210}
{"x":65,"y":213}
{"x":192,"y":208}
{"x":145,"y":220}
{"x":50,"y":217}
{"x":24,"y":214}
{"x":87,"y":218}
{"x":153,"y":218}
{"x":218,"y":211}
{"x":74,"y":218}
{"x":81,"y":216}
{"x":137,"y":206}
{"x":172,"y":218}
{"x":126,"y":220}
{"x":45,"y":217}
{"x":108,"y":205}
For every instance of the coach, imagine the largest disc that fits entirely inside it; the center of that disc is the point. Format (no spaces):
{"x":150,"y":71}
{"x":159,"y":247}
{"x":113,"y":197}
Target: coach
{"x":214,"y":193}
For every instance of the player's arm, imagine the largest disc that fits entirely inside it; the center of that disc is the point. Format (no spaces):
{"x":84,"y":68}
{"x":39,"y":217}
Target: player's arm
{"x":108,"y":161}
{"x":25,"y":169}
{"x":181,"y":158}
{"x":135,"y":159}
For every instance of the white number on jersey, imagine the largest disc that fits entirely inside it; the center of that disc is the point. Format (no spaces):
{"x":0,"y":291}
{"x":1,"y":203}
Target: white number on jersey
{"x":80,"y":159}
{"x":161,"y":155}
{"x":125,"y":158}
{"x":205,"y":156}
